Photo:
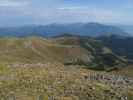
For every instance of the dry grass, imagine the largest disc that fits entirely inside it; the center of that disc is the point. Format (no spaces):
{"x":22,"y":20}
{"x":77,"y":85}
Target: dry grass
{"x":53,"y":81}
{"x":127,"y":71}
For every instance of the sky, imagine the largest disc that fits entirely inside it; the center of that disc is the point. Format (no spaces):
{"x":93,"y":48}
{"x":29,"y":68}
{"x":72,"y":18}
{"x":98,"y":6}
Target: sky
{"x":40,"y":12}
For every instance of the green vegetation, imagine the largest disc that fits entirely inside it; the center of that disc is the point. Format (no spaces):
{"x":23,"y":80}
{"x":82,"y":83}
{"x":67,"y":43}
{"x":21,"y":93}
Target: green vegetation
{"x":68,"y":50}
{"x":103,"y":58}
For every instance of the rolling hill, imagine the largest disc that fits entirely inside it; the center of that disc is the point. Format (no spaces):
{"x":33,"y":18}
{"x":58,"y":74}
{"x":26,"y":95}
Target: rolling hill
{"x":120,"y":45}
{"x":66,"y":50}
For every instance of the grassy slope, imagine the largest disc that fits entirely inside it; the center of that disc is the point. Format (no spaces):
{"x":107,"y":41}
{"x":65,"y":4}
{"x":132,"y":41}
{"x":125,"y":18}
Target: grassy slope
{"x":65,"y":50}
{"x":55,"y":80}
{"x":34,"y":50}
{"x":127,"y":71}
{"x":51,"y":80}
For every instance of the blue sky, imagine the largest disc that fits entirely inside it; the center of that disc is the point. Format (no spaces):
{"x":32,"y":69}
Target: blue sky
{"x":25,"y":12}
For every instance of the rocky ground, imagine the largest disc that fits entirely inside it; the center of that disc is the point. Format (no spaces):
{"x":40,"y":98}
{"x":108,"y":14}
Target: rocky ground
{"x":58,"y":82}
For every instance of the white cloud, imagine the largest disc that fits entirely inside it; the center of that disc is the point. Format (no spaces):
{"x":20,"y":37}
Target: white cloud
{"x":12,"y":3}
{"x":87,"y":13}
{"x":20,"y":11}
{"x":72,"y":8}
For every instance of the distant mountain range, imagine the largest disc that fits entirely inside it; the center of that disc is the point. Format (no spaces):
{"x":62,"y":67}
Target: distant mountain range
{"x":86,"y":29}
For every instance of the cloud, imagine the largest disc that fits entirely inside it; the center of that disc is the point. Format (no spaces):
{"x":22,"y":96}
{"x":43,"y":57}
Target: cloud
{"x":54,"y":11}
{"x":72,"y":8}
{"x":97,"y":14}
{"x":12,"y":3}
{"x":87,"y":13}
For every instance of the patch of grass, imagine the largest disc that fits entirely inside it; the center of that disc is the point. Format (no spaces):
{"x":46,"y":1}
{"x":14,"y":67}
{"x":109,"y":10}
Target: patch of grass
{"x":130,"y":95}
{"x":4,"y":69}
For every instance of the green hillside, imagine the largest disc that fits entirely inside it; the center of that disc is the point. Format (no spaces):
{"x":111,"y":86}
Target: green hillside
{"x":66,"y":50}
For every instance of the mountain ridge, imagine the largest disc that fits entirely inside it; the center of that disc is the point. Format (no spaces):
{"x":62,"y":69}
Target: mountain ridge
{"x":83,"y":29}
{"x":65,"y":50}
